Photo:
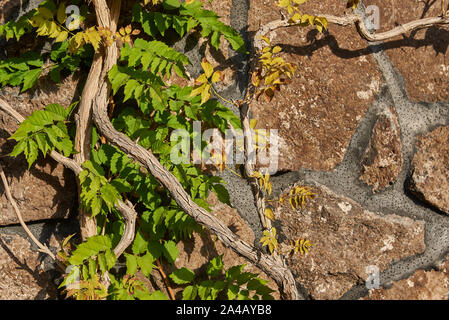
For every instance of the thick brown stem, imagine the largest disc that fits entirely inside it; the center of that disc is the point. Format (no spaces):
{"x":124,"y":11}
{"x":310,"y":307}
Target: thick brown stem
{"x":83,"y":138}
{"x":275,"y":268}
{"x":269,"y":264}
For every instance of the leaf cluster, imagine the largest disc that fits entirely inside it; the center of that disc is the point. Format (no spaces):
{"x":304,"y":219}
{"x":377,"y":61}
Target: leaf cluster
{"x":184,"y":17}
{"x":43,"y":130}
{"x":233,"y":283}
{"x":293,"y":8}
{"x":271,"y":72}
{"x":298,"y":196}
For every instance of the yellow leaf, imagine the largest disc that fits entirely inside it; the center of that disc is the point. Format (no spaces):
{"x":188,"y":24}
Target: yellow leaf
{"x":291,"y":203}
{"x":266,"y":49}
{"x":36,"y":21}
{"x":266,"y":40}
{"x":217,"y":77}
{"x":253,"y":124}
{"x":205,"y":94}
{"x":62,"y":36}
{"x":61,"y":14}
{"x":269,"y":214}
{"x":207,"y":67}
{"x":296,"y":17}
{"x":277,"y":49}
{"x":270,"y":186}
{"x":201,"y":79}
{"x":76,"y":42}
{"x":128,"y":29}
{"x":93,"y":37}
{"x":271,"y":77}
{"x":45,"y":13}
{"x":283,"y":3}
{"x":257,"y":174}
{"x":197,"y":91}
{"x":54,"y":30}
{"x":278,"y":60}
{"x":266,"y":55}
{"x":255,"y":79}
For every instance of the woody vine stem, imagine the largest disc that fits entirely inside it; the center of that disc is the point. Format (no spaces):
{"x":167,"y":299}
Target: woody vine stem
{"x":94,"y":109}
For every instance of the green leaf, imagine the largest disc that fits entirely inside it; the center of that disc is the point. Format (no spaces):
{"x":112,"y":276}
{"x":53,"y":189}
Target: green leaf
{"x":110,"y":258}
{"x":158,"y":295}
{"x":102,"y":263}
{"x":72,"y":277}
{"x":110,"y":195}
{"x":31,"y":152}
{"x":18,"y":148}
{"x":30,"y":79}
{"x":215,"y":266}
{"x":92,"y":267}
{"x":91,"y":247}
{"x":130,"y":86}
{"x":67,"y":147}
{"x":222,"y":193}
{"x":140,"y":244}
{"x":131,"y":264}
{"x":182,"y":276}
{"x":232,"y":291}
{"x":233,"y":272}
{"x":189,"y":293}
{"x":204,"y":289}
{"x":57,"y":111}
{"x":171,"y":4}
{"x":170,"y":251}
{"x":146,"y":264}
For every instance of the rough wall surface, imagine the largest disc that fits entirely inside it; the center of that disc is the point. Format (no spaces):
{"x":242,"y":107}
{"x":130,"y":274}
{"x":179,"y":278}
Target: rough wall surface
{"x":328,"y":120}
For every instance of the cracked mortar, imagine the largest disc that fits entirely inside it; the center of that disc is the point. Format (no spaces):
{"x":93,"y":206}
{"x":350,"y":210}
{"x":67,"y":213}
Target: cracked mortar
{"x":414,"y":119}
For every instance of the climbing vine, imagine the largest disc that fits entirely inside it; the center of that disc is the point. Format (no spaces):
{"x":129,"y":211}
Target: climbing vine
{"x":117,"y":140}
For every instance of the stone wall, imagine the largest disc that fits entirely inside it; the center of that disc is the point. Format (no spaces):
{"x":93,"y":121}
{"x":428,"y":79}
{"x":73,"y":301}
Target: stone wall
{"x":365,"y":125}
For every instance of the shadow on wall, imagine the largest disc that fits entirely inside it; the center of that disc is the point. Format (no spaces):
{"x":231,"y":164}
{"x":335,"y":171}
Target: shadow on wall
{"x":41,"y":277}
{"x":436,"y":37}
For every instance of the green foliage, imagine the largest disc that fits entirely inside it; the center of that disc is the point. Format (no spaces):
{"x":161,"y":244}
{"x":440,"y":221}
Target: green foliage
{"x":92,"y":247}
{"x":21,"y":71}
{"x":155,"y":56}
{"x":43,"y":130}
{"x":148,"y":111}
{"x":183,"y":17}
{"x":97,"y":192}
{"x":65,"y":63}
{"x":130,"y":288}
{"x":16,"y":29}
{"x":233,"y":283}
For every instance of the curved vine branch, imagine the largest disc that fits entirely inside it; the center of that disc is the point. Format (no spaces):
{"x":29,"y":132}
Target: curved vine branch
{"x":359,"y":23}
{"x":127,"y":211}
{"x":272,"y":266}
{"x":42,"y":247}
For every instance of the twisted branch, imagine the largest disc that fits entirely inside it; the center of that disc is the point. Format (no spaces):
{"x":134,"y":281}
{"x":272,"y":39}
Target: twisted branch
{"x":357,"y":20}
{"x":127,"y":211}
